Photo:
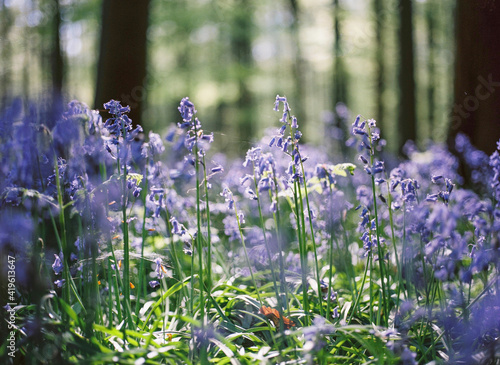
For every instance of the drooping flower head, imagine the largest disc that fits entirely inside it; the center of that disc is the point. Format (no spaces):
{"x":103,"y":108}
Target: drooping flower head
{"x":191,"y":123}
{"x":290,"y":141}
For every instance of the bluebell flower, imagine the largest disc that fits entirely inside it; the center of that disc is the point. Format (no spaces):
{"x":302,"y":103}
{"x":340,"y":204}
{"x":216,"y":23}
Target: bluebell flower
{"x":60,"y":282}
{"x":120,"y":123}
{"x":154,"y":283}
{"x":160,"y":269}
{"x":250,"y":193}
{"x":274,"y":206}
{"x":155,"y":144}
{"x":57,"y":266}
{"x":494,"y":180}
{"x":217,"y":168}
{"x":228,"y":195}
{"x":279,"y":142}
{"x":177,"y":228}
{"x":194,"y":135}
{"x":187,"y":109}
{"x":282,"y":129}
{"x":253,"y":155}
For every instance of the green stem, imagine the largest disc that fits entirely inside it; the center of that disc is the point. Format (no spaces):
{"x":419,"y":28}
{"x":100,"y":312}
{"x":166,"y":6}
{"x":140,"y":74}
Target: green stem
{"x":199,"y":241}
{"x":175,"y":258}
{"x":276,"y":217}
{"x":209,"y":242}
{"x":141,"y":282}
{"x":356,"y":303}
{"x":379,"y":245}
{"x":302,"y":252}
{"x":318,"y":278}
{"x":393,"y":237}
{"x":64,"y":244}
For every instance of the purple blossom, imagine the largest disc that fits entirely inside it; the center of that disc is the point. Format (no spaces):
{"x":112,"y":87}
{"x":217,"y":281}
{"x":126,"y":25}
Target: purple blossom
{"x":57,"y":266}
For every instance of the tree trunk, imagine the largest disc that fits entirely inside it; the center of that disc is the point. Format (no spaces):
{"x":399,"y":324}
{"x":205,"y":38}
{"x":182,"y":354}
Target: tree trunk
{"x":476,"y":109}
{"x":121,"y":71}
{"x":57,"y":60}
{"x":298,"y":99}
{"x":340,"y":79}
{"x":339,"y":71}
{"x":407,"y":115}
{"x":241,"y":46}
{"x":430,"y":17}
{"x":379,"y":60}
{"x":6,"y":49}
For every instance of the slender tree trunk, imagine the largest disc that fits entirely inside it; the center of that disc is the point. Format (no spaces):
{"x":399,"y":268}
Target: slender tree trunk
{"x":476,"y":109}
{"x":298,"y":67}
{"x":57,"y":60}
{"x":241,"y":46}
{"x":379,"y":59}
{"x":340,"y":77}
{"x":339,"y":70}
{"x":121,"y":71}
{"x":56,"y":63}
{"x":6,"y":49}
{"x":407,"y":113}
{"x":430,"y":17}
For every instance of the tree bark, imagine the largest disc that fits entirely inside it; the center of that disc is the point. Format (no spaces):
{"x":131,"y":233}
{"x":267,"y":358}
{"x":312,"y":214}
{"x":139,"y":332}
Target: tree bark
{"x":379,"y":60}
{"x":57,"y":60}
{"x":339,"y":70}
{"x":241,"y":46}
{"x":407,"y":113}
{"x":476,"y":109}
{"x":6,"y":52}
{"x":298,"y":68}
{"x":430,"y":17}
{"x":121,"y":71}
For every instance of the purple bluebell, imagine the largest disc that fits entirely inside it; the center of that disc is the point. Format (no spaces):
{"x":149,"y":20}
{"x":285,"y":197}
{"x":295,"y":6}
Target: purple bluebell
{"x":217,"y":168}
{"x":60,"y":282}
{"x":177,"y":228}
{"x":160,"y":269}
{"x":187,"y":109}
{"x":57,"y":266}
{"x":154,"y":283}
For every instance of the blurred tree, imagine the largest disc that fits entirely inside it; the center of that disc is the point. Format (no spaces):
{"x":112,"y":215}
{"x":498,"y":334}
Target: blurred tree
{"x":339,"y":69}
{"x":430,"y":19}
{"x":56,"y":57}
{"x":121,"y":70}
{"x":6,"y":49}
{"x":242,"y":30}
{"x":340,"y":77}
{"x":298,"y":67}
{"x":57,"y":63}
{"x":476,"y":109}
{"x":407,"y":127}
{"x":378,"y":12}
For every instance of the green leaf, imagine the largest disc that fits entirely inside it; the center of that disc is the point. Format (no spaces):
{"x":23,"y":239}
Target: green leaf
{"x":137,"y":178}
{"x":341,"y":168}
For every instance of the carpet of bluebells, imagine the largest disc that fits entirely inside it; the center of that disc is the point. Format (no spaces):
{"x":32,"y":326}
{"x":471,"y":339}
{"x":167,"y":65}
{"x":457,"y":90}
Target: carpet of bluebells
{"x":146,"y":249}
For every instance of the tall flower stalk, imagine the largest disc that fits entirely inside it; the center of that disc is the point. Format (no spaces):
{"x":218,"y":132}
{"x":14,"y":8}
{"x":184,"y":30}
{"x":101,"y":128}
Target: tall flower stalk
{"x":121,"y":134}
{"x":300,"y":193}
{"x":194,"y":142}
{"x":369,"y":136}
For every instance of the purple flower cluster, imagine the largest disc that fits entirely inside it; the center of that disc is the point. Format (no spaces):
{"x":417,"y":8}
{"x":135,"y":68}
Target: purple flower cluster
{"x":190,"y":123}
{"x":105,"y":182}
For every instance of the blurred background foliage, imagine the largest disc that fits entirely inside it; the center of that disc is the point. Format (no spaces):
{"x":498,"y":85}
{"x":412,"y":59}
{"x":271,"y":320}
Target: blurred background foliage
{"x":391,"y":60}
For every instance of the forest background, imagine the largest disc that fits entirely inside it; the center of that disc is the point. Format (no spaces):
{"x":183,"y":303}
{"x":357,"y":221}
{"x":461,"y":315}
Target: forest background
{"x":425,"y":70}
